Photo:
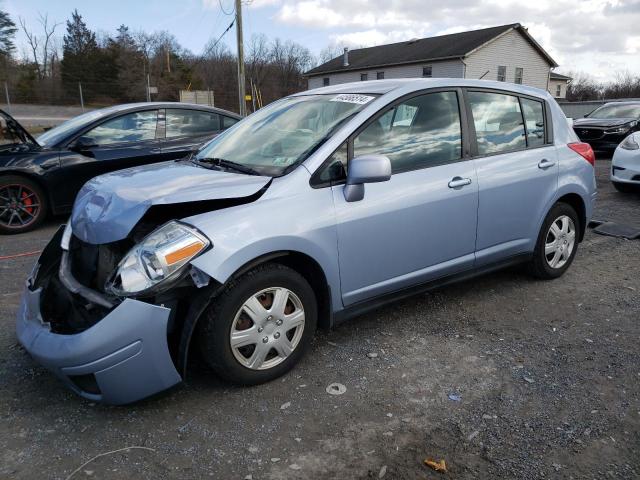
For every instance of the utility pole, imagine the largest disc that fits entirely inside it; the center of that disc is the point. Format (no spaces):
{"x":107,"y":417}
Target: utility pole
{"x":148,"y":89}
{"x":241,"y":83}
{"x":6,"y":92}
{"x":81,"y":98}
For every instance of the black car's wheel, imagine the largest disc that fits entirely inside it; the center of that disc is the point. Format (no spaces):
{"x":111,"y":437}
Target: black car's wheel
{"x":624,"y":187}
{"x":23,"y":205}
{"x":557,"y":243}
{"x":260,"y":326}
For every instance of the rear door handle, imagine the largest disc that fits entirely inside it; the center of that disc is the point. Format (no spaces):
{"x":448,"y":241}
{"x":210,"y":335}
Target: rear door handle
{"x":544,"y":164}
{"x":459,"y":182}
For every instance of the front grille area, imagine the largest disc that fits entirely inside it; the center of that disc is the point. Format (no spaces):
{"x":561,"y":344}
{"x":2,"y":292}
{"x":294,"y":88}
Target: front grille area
{"x":67,"y":313}
{"x":91,"y":264}
{"x":589,"y":133}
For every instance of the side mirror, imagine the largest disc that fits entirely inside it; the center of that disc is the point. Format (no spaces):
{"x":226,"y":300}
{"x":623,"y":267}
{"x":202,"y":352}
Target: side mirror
{"x":365,"y":169}
{"x":83,"y":144}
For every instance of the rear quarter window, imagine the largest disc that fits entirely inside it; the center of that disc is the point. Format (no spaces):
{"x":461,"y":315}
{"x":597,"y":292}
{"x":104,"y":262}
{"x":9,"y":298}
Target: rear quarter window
{"x":533,"y":111}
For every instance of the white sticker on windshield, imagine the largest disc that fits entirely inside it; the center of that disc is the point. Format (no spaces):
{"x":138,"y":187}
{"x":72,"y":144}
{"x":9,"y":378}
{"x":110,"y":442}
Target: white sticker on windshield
{"x":352,"y":98}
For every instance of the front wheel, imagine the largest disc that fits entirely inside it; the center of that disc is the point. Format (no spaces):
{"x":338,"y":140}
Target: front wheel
{"x":557,"y":242}
{"x":260,"y":326}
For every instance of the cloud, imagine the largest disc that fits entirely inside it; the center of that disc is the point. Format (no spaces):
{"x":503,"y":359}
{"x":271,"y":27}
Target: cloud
{"x":590,"y":35}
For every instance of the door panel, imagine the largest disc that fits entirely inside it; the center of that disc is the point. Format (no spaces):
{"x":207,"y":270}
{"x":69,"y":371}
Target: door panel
{"x":409,"y":230}
{"x":516,"y":181}
{"x":513,"y":194}
{"x":421,"y":224}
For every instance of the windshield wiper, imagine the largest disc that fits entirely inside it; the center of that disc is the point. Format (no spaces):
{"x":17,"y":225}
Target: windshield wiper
{"x":228,"y":164}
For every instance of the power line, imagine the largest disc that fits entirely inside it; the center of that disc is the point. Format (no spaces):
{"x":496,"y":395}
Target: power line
{"x":223,"y":10}
{"x":220,"y":37}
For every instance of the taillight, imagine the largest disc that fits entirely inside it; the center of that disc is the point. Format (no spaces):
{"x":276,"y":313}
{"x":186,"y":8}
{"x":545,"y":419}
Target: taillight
{"x":584,"y":150}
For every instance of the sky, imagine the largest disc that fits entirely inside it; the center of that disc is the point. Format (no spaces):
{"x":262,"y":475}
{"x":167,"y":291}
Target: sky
{"x":596,"y":37}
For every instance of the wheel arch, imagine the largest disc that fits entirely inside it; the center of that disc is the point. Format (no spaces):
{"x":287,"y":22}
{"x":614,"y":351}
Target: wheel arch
{"x":300,"y":262}
{"x":577,"y":203}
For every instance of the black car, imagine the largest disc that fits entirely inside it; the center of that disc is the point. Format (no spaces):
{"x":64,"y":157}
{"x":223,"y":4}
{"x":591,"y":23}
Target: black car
{"x":608,"y":125}
{"x":43,"y":175}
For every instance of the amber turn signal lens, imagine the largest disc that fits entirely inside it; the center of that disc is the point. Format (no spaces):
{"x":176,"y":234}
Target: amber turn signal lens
{"x":184,"y":252}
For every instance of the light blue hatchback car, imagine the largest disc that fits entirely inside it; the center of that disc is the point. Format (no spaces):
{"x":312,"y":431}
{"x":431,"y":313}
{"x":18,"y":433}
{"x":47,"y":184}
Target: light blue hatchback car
{"x":314,"y":209}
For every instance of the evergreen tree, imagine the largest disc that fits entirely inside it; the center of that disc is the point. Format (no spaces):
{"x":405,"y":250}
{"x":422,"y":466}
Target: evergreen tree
{"x":7,"y":32}
{"x":81,"y":57}
{"x":129,"y":63}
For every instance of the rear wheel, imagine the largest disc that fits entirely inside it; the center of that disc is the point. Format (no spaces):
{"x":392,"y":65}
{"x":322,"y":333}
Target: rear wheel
{"x":260,"y":326}
{"x":624,"y":187}
{"x":23,"y":205}
{"x":557,"y":242}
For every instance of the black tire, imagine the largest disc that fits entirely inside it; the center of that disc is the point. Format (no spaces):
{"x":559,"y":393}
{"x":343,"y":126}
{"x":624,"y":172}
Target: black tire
{"x":214,"y":327}
{"x":23,"y":204}
{"x":539,"y":266}
{"x":624,"y":187}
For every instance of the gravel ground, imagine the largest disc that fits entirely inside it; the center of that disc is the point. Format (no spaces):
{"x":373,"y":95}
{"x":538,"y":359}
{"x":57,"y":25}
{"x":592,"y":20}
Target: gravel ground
{"x":501,"y":376}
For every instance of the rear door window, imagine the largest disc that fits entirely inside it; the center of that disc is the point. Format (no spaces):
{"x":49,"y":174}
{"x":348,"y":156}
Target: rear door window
{"x":534,"y":121}
{"x":191,"y":123}
{"x":498,"y":122}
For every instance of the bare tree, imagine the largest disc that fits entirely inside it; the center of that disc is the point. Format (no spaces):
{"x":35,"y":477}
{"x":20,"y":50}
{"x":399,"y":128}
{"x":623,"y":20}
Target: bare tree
{"x":41,"y":46}
{"x":330,"y":52}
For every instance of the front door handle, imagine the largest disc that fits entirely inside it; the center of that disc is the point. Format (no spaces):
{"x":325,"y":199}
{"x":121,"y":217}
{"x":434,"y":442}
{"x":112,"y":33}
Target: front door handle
{"x":544,"y":164}
{"x":459,"y":182}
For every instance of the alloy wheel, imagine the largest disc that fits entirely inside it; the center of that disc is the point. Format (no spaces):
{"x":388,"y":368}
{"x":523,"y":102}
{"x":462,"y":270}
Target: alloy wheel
{"x":267,"y":328}
{"x":19,"y":206}
{"x":560,"y":241}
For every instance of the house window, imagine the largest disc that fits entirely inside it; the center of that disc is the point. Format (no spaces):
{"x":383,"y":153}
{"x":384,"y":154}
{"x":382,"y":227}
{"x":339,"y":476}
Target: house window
{"x":502,"y":73}
{"x":558,"y":90}
{"x":518,"y":76}
{"x":364,"y":77}
{"x":325,"y":81}
{"x":427,"y":71}
{"x":380,"y":75}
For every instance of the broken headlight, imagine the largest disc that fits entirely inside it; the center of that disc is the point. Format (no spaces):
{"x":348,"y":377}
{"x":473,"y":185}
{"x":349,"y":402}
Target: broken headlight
{"x":161,"y":256}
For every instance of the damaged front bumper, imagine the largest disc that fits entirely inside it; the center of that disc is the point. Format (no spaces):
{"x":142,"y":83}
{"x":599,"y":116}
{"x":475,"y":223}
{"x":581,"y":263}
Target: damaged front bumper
{"x":122,"y":358}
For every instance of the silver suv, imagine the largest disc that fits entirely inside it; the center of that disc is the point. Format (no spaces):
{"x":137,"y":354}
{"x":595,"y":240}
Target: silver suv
{"x":314,"y":209}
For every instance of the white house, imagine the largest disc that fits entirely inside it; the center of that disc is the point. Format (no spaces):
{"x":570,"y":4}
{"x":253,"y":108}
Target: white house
{"x":558,"y":85}
{"x":506,"y":53}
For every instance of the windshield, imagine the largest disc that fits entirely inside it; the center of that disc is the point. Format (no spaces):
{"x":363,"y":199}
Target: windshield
{"x":276,"y":138}
{"x":616,"y":111}
{"x":57,"y":134}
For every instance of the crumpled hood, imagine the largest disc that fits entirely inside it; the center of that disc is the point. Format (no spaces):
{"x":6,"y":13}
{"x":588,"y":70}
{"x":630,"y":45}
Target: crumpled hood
{"x":109,"y":206}
{"x":601,"y":122}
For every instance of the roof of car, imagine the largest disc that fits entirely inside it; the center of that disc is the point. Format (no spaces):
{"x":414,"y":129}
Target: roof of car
{"x":141,"y":105}
{"x":623,"y":102}
{"x":381,"y":87}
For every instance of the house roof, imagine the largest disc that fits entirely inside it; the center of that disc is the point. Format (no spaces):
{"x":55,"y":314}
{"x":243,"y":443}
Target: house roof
{"x":443,"y":47}
{"x":558,"y":76}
